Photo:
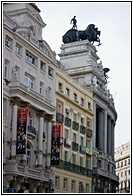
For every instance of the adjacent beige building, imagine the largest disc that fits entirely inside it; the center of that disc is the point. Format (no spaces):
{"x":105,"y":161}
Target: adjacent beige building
{"x":122,"y":159}
{"x":74,"y":112}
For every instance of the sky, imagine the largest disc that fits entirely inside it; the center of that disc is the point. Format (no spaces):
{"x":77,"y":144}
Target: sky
{"x":113,"y":19}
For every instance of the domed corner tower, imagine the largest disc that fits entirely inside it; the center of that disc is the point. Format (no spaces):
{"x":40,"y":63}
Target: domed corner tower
{"x":80,"y":61}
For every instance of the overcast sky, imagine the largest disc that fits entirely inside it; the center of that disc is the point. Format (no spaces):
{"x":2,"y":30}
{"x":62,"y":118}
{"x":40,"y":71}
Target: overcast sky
{"x":113,"y":19}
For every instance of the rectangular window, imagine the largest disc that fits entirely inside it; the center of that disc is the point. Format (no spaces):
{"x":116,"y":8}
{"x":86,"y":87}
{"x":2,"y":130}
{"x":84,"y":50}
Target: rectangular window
{"x":50,"y":71}
{"x":29,"y":81}
{"x":30,"y":118}
{"x":82,"y":121}
{"x":66,"y":156}
{"x":128,"y":161}
{"x":65,"y":183}
{"x":18,"y":49}
{"x":56,"y":181}
{"x":66,"y":133}
{"x":81,"y":161}
{"x":43,"y":66}
{"x":81,"y":140}
{"x":59,"y":108}
{"x":88,"y":144}
{"x":121,"y":174}
{"x":8,"y":42}
{"x":82,"y":101}
{"x":121,"y":163}
{"x":6,"y":69}
{"x":67,"y":112}
{"x":89,"y":105}
{"x":88,"y":164}
{"x":73,"y":185}
{"x":60,"y":87}
{"x":75,"y":97}
{"x":74,"y":137}
{"x":87,"y":188}
{"x":74,"y":158}
{"x":31,"y":58}
{"x":75,"y":117}
{"x":67,"y":92}
{"x":41,"y":88}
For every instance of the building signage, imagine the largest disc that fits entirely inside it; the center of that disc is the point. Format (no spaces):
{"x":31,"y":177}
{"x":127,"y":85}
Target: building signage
{"x":21,"y":130}
{"x":55,"y":145}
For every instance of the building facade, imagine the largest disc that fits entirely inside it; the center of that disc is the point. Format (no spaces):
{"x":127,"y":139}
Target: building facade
{"x":80,"y":61}
{"x":74,"y":113}
{"x":122,"y":160}
{"x":29,"y":67}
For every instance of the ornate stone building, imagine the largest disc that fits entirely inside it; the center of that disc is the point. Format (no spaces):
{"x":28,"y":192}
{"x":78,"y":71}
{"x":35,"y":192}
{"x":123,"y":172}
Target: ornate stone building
{"x":28,"y":82}
{"x":74,"y":113}
{"x":80,"y":61}
{"x":123,"y":167}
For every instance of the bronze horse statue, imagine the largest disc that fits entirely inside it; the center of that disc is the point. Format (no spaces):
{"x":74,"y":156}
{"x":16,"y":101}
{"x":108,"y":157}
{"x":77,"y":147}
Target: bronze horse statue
{"x":91,"y":33}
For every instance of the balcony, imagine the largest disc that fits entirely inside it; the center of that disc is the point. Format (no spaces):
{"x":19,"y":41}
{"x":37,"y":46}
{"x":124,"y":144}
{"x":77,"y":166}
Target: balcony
{"x":103,"y":173}
{"x":82,"y":129}
{"x":67,"y":122}
{"x":59,"y":117}
{"x":89,"y":132}
{"x":75,"y":125}
{"x":74,"y":168}
{"x":75,"y":146}
{"x":67,"y":142}
{"x":82,"y":149}
{"x":31,"y":131}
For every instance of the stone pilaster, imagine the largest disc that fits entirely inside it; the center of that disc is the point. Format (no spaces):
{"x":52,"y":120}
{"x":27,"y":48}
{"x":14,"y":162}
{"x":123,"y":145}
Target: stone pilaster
{"x":49,"y":134}
{"x":41,"y":115}
{"x":15,"y":102}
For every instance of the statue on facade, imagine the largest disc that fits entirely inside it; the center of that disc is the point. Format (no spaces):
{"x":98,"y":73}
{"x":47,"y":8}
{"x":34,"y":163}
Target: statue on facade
{"x":91,"y":33}
{"x":74,"y":21}
{"x":106,"y":70}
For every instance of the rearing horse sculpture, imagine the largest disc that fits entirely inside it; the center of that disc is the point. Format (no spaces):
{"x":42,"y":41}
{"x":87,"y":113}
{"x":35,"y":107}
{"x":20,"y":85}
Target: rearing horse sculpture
{"x":91,"y":33}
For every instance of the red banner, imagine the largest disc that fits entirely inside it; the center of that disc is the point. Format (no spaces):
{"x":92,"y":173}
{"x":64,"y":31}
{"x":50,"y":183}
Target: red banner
{"x":21,"y":130}
{"x":55,"y":145}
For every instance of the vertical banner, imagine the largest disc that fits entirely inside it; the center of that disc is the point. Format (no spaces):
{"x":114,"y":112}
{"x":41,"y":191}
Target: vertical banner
{"x":55,"y":145}
{"x":21,"y":130}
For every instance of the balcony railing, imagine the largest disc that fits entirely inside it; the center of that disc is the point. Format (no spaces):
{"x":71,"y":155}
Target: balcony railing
{"x":67,"y":121}
{"x":74,"y":168}
{"x":89,"y":132}
{"x":75,"y":146}
{"x":59,"y":117}
{"x":31,"y":130}
{"x":75,"y":125}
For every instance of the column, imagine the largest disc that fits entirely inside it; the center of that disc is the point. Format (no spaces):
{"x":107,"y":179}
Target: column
{"x":15,"y":101}
{"x":105,"y":132}
{"x":112,"y":133}
{"x":109,"y":135}
{"x":40,"y":139}
{"x":100,"y":130}
{"x":49,"y":134}
{"x":94,"y":127}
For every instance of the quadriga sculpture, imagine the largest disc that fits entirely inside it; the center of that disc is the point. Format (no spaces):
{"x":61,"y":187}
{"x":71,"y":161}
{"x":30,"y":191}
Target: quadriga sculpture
{"x":91,"y":33}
